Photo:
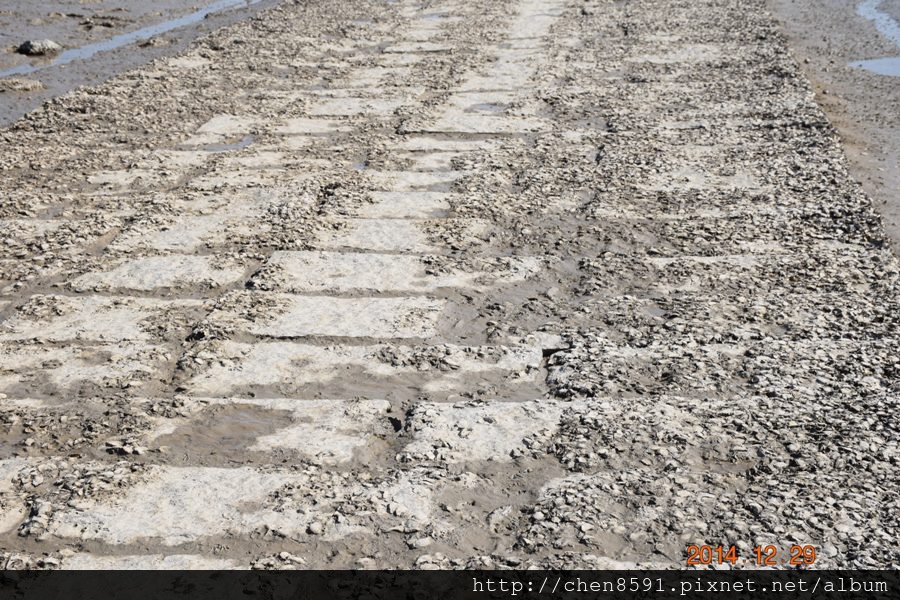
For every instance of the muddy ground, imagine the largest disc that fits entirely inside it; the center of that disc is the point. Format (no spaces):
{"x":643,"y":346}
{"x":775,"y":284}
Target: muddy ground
{"x":446,"y":285}
{"x":77,"y":25}
{"x":828,"y":36}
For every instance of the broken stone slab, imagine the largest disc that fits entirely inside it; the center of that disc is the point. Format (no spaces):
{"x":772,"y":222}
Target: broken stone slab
{"x":93,"y":318}
{"x":181,"y":159}
{"x":188,"y":61}
{"x":345,"y":272}
{"x":494,"y":102}
{"x":28,"y":231}
{"x":240,"y":367}
{"x":417,"y":46}
{"x":350,"y":107}
{"x":313,"y":316}
{"x":460,"y":121}
{"x":222,"y":128}
{"x":122,"y":365}
{"x":12,"y":509}
{"x":379,"y":235}
{"x":432,"y":161}
{"x":311,"y":126}
{"x":83,"y":561}
{"x":176,"y":271}
{"x":436,"y":143}
{"x":183,"y":505}
{"x":535,"y":18}
{"x":412,"y":180}
{"x":406,"y":205}
{"x":187,"y":232}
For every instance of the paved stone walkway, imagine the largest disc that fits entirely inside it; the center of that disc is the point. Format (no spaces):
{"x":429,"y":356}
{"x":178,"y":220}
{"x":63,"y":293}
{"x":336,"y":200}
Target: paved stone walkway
{"x":436,"y":284}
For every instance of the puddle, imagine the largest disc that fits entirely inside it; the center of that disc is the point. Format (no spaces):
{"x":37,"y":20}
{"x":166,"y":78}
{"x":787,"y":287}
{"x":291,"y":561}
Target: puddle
{"x":882,"y":66}
{"x":124,"y":39}
{"x":488,"y":107}
{"x":889,"y":28}
{"x":885,"y":24}
{"x":229,"y":147}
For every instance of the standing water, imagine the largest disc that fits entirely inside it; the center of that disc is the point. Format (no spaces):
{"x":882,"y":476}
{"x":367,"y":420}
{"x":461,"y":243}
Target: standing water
{"x":124,"y":39}
{"x":887,"y":27}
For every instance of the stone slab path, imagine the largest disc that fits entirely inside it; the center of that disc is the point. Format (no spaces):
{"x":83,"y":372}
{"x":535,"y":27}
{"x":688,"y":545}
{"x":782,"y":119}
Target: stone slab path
{"x":434,"y":284}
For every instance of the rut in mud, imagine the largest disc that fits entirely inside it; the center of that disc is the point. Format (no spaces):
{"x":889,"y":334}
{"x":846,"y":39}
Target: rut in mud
{"x":434,"y":284}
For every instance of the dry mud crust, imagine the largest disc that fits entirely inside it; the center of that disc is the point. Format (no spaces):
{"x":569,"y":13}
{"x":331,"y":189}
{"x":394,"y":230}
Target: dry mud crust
{"x":551,"y":284}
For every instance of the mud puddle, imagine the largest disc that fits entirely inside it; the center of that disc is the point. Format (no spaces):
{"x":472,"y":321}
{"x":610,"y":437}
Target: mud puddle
{"x":880,"y":66}
{"x":875,"y":11}
{"x":99,"y":42}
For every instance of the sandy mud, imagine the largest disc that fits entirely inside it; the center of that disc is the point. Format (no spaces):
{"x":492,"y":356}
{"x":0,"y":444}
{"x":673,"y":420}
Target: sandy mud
{"x":445,"y":284}
{"x":851,"y":53}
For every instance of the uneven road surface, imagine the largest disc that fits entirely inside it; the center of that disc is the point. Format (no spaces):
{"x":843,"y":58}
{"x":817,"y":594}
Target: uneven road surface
{"x":446,"y":284}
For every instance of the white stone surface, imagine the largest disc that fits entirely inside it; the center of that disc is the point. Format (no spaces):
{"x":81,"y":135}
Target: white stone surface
{"x":418,"y":46}
{"x":348,"y":107}
{"x":221,"y":128}
{"x":147,"y":562}
{"x":406,"y":205}
{"x":411,"y":180}
{"x":172,"y":271}
{"x":305,"y":316}
{"x":293,"y":365}
{"x":432,"y":161}
{"x":118,"y":365}
{"x":229,"y":125}
{"x":91,"y":318}
{"x":188,"y":232}
{"x":379,"y":235}
{"x":307,"y":126}
{"x":304,"y":272}
{"x":459,"y":121}
{"x":344,"y":272}
{"x":181,"y":505}
{"x":182,"y":159}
